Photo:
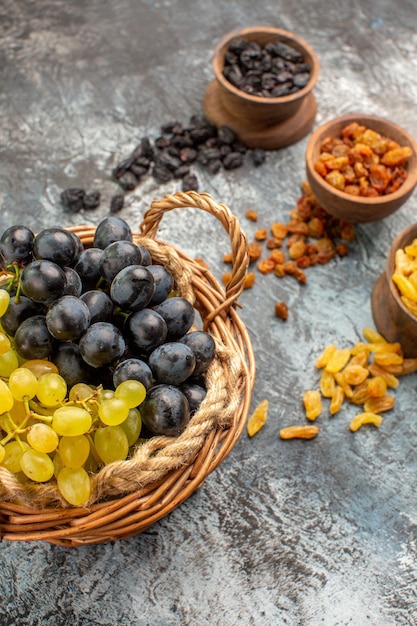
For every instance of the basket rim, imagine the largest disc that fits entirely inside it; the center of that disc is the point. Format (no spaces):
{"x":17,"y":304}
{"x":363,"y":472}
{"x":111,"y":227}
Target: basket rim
{"x":133,"y":512}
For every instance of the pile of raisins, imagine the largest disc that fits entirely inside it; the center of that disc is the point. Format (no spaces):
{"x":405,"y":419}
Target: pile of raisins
{"x":272,"y":71}
{"x":172,"y":155}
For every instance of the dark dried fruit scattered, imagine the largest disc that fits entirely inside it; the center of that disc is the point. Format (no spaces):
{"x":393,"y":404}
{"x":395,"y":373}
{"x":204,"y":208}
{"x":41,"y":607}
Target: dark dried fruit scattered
{"x":73,"y":199}
{"x":117,"y":203}
{"x":178,"y":147}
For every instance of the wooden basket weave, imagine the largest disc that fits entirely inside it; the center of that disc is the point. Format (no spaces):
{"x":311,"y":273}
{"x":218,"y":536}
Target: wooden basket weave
{"x":129,"y":496}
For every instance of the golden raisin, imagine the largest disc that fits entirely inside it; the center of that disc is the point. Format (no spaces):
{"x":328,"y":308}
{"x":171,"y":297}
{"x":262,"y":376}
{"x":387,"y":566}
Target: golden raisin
{"x":228,"y":258}
{"x":355,"y":374}
{"x":297,"y":250}
{"x":312,"y":404}
{"x":249,"y":280}
{"x":254,"y":250}
{"x":299,"y":432}
{"x":338,"y":360}
{"x":252,"y":215}
{"x":258,"y":418}
{"x":273,"y":243}
{"x":279,"y":230}
{"x":337,"y":400}
{"x":326,"y":355}
{"x":327,"y":384}
{"x":278,"y":256}
{"x":266,"y":266}
{"x":379,"y":405}
{"x":377,"y":387}
{"x":365,"y":418}
{"x":281,"y":310}
{"x":261,"y":234}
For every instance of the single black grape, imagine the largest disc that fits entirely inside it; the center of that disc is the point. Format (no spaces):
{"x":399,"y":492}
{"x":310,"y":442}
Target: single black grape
{"x":132,"y":288}
{"x":55,"y":244}
{"x":79,"y":246}
{"x":99,"y":304}
{"x":195,"y":395}
{"x":101,"y":344}
{"x":146,"y":329}
{"x":18,"y":311}
{"x":164,"y":283}
{"x":146,"y":256}
{"x":165,"y":410}
{"x":16,"y":244}
{"x":88,"y":267}
{"x":118,"y":255}
{"x":111,"y":229}
{"x":172,"y":363}
{"x":32,"y":339}
{"x":43,"y":281}
{"x":179,"y":315}
{"x":71,"y":366}
{"x":133,"y":369}
{"x":203,"y":346}
{"x":73,"y":284}
{"x":68,"y":318}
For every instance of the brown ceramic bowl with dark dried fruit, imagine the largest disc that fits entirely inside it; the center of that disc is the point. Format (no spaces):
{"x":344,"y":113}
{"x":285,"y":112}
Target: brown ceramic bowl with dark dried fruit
{"x":358,"y":208}
{"x":263,"y":121}
{"x":391,"y":317}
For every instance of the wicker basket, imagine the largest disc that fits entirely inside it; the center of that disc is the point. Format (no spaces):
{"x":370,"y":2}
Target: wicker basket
{"x":129,"y":496}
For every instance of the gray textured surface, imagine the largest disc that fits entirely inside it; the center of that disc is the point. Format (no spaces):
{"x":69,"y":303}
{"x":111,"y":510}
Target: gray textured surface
{"x":293,"y":533}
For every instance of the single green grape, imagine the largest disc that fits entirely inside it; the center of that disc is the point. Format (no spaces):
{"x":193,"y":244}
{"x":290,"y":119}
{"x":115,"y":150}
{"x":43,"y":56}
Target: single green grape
{"x":40,"y":366}
{"x":42,"y":437}
{"x":13,"y":453}
{"x":4,"y":301}
{"x":5,"y":344}
{"x":91,"y":465}
{"x":52,"y":389}
{"x":23,"y":384}
{"x":2,"y":453}
{"x":113,"y":411}
{"x":132,"y":426}
{"x":133,"y":392}
{"x":111,"y":444}
{"x":105,"y":394}
{"x":37,"y":465}
{"x":6,"y":398}
{"x":8,"y":362}
{"x":18,"y":414}
{"x":74,"y":451}
{"x":80,"y":391}
{"x":74,"y":485}
{"x":71,"y":421}
{"x":58,"y":464}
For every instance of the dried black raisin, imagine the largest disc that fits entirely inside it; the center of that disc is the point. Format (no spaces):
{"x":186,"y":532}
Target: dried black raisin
{"x":73,"y":199}
{"x":117,"y":203}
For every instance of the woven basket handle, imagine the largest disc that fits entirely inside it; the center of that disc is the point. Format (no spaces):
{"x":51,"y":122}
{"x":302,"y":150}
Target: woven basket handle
{"x":203,"y":201}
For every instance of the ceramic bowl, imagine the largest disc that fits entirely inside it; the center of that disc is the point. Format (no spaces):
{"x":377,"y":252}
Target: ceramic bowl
{"x":391,"y":317}
{"x":267,"y":122}
{"x":357,"y":209}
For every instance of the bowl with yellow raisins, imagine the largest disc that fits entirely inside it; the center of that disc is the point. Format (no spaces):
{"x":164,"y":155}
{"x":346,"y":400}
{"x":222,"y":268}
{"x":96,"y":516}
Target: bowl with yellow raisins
{"x":394,"y":296}
{"x":361,"y":168}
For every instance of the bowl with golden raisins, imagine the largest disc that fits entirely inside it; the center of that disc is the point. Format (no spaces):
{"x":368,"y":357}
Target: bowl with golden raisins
{"x":361,"y":168}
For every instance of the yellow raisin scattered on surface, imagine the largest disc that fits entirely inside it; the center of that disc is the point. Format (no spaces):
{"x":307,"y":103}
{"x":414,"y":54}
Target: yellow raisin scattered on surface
{"x":312,"y":404}
{"x":299,"y":432}
{"x":258,"y":418}
{"x":365,"y":418}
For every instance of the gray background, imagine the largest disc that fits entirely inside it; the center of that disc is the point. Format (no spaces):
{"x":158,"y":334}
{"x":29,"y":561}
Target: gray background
{"x":295,"y":533}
